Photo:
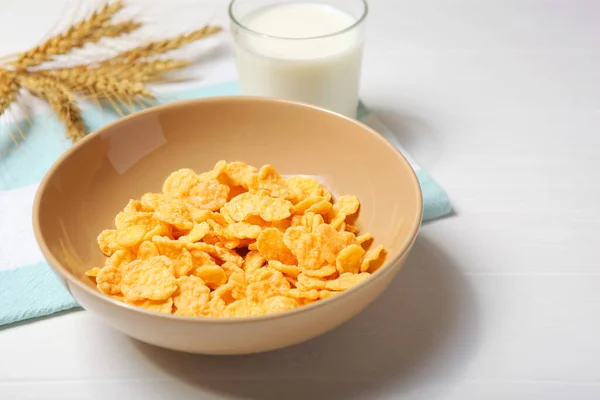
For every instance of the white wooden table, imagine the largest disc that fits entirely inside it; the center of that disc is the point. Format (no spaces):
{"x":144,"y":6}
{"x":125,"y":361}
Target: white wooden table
{"x":500,"y":101}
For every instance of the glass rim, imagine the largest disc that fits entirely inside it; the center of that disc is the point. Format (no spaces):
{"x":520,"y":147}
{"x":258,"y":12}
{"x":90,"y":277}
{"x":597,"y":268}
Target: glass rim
{"x":233,"y":19}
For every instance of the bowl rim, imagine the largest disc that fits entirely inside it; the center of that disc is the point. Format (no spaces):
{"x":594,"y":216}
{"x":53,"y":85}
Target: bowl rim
{"x":68,"y":277}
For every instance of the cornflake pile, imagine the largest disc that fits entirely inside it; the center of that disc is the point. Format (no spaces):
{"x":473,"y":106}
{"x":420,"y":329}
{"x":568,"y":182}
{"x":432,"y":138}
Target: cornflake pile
{"x":233,"y":242}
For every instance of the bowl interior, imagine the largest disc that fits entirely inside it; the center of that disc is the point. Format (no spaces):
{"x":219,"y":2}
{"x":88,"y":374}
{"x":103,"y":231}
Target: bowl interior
{"x":92,"y":182}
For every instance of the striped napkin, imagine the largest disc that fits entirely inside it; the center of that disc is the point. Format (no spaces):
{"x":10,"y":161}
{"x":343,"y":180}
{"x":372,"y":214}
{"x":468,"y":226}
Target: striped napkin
{"x":28,"y":288}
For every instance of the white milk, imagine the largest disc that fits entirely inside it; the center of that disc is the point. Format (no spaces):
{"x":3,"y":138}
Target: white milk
{"x":294,"y":63}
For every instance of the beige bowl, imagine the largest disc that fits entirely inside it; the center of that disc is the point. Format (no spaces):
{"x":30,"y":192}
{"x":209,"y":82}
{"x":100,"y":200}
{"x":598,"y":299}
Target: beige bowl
{"x":93,"y":181}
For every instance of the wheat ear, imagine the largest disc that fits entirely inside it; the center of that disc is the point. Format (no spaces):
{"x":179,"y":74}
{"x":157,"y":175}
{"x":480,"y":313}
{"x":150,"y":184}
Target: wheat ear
{"x":60,"y":98}
{"x":9,"y":89}
{"x":89,"y":30}
{"x":141,"y":71}
{"x":162,"y":46}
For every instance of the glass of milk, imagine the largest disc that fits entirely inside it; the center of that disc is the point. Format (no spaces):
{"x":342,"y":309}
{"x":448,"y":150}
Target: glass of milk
{"x":308,"y":51}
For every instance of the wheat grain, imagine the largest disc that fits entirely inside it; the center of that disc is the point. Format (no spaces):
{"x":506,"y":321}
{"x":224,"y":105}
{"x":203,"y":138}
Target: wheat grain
{"x":91,"y":29}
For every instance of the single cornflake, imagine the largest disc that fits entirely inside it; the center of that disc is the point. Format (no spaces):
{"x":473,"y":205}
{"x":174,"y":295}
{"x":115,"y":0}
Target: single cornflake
{"x":348,"y":259}
{"x":302,"y":206}
{"x":242,"y":308}
{"x":180,"y":182}
{"x":152,"y":201}
{"x":310,"y":282}
{"x":238,"y":174}
{"x":214,"y":173}
{"x":372,"y":259}
{"x":209,"y":195}
{"x":289,"y":270}
{"x":364,"y":238}
{"x":175,"y":213}
{"x":247,"y":205}
{"x":253,"y":261}
{"x":93,"y":273}
{"x":266,"y":282}
{"x":197,"y":233}
{"x":303,"y":187}
{"x":304,"y":294}
{"x":342,"y":208}
{"x":191,"y":296}
{"x":161,"y":306}
{"x":149,"y":279}
{"x":120,"y":258}
{"x":272,"y":184}
{"x":277,"y":304}
{"x":304,"y":246}
{"x":108,"y":280}
{"x":324,"y":294}
{"x":213,"y":275}
{"x":271,"y":246}
{"x":147,"y":250}
{"x":128,"y":218}
{"x":346,"y":281}
{"x":322,"y":272}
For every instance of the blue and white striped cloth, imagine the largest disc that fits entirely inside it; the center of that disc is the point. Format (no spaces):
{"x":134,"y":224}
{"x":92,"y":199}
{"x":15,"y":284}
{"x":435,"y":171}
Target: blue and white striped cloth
{"x":28,"y":288}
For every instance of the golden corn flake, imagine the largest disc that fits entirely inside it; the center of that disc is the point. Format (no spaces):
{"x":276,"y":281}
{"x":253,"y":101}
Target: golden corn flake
{"x":272,"y":184}
{"x":278,"y":304}
{"x":304,"y":294}
{"x":120,"y":258}
{"x":107,"y":241}
{"x":149,"y":279}
{"x":93,"y":273}
{"x":343,"y":207}
{"x":289,"y":270}
{"x":349,"y":259}
{"x":180,"y":183}
{"x":209,"y":195}
{"x":235,"y":241}
{"x":240,"y":175}
{"x":364,"y":238}
{"x":271,"y":246}
{"x":322,"y":272}
{"x":191,"y":296}
{"x":161,"y":306}
{"x":175,"y":213}
{"x":196,"y":234}
{"x":303,"y":187}
{"x":247,"y":205}
{"x":310,"y":282}
{"x":253,"y":261}
{"x":213,"y":275}
{"x":346,"y":281}
{"x":108,"y":280}
{"x":371,"y":258}
{"x":125,"y":219}
{"x":147,"y":250}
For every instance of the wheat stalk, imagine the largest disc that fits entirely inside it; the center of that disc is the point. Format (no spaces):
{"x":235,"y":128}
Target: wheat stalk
{"x":89,"y":30}
{"x":60,"y":99}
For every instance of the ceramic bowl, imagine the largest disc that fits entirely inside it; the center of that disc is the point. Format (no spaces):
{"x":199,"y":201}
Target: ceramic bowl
{"x":93,"y":181}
